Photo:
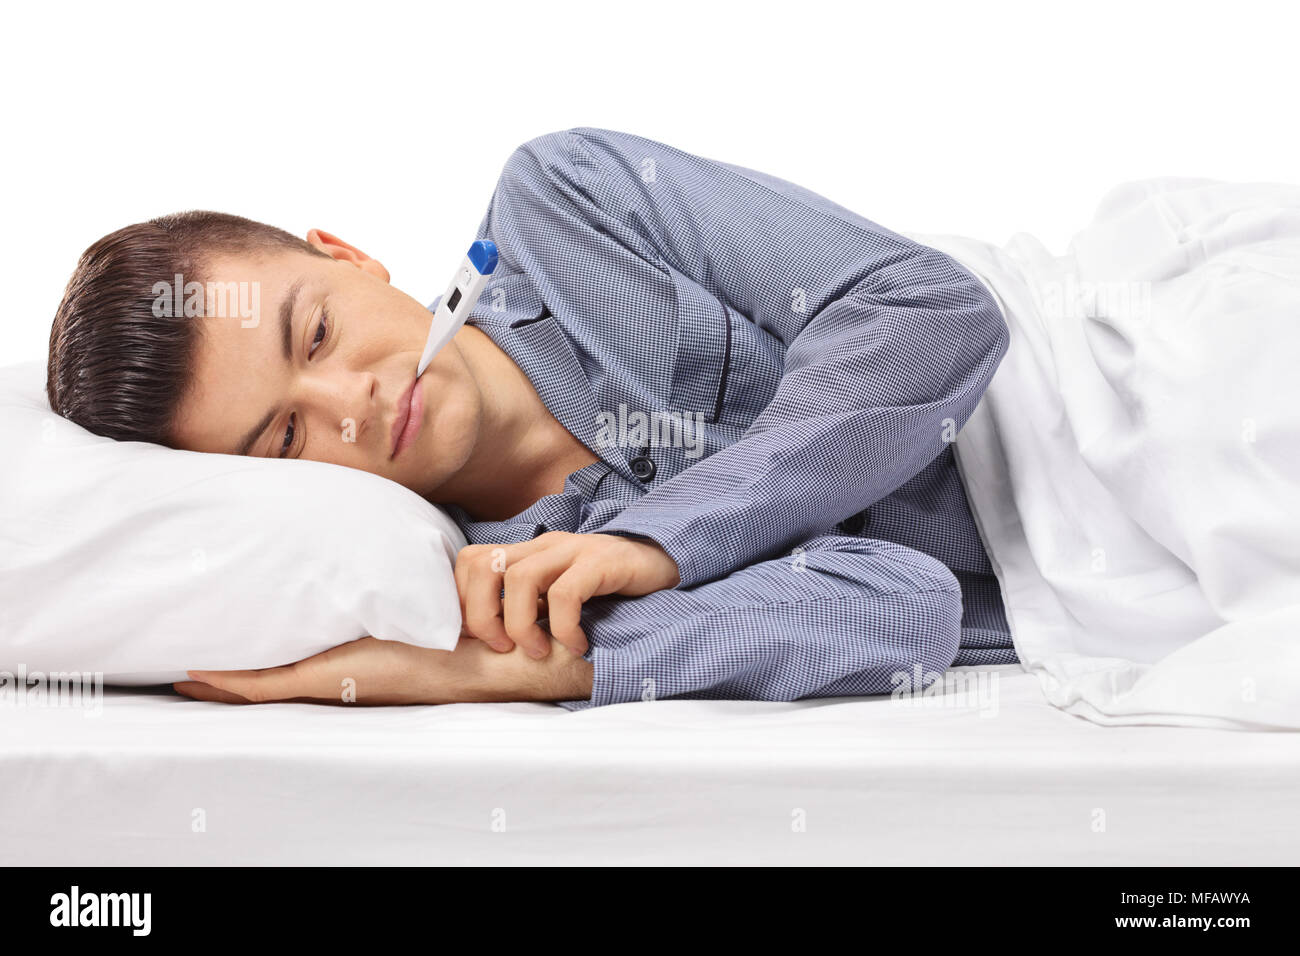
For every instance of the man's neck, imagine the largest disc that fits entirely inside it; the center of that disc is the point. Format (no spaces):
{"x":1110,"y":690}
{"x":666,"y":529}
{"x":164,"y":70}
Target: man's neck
{"x":523,"y":452}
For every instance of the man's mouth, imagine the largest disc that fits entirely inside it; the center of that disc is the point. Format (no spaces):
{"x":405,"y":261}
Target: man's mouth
{"x":409,"y":418}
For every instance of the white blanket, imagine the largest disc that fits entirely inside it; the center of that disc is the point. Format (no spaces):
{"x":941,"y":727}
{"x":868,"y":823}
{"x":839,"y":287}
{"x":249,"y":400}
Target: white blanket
{"x":1134,"y":467}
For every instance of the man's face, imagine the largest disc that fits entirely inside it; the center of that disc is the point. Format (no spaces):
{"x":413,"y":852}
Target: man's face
{"x":353,"y":344}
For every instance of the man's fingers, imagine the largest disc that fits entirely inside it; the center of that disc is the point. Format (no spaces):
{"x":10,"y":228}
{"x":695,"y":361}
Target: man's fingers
{"x":480,"y":592}
{"x":274,"y":683}
{"x":525,"y":573}
{"x":201,"y":691}
{"x":566,"y":596}
{"x":472,"y":562}
{"x":524,"y":583}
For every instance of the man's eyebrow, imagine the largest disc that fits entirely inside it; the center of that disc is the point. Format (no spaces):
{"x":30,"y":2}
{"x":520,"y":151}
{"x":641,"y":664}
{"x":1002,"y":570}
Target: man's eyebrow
{"x":287,"y":307}
{"x":255,"y":432}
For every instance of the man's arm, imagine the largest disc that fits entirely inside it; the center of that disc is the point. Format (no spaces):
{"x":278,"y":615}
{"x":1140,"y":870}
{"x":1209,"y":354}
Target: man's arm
{"x":844,"y":616}
{"x":889,"y":344}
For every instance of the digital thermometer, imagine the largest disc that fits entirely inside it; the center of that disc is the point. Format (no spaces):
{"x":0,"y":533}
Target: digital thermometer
{"x":458,"y":301}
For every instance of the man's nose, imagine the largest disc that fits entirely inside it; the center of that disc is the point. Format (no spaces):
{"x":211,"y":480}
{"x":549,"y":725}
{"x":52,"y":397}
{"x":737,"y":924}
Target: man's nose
{"x":343,"y":396}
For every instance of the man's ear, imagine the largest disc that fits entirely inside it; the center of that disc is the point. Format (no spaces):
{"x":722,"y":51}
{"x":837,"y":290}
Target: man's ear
{"x":344,"y":252}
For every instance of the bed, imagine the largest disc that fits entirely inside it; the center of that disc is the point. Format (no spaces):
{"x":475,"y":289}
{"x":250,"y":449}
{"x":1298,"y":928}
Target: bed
{"x":1177,"y":602}
{"x":1000,"y":777}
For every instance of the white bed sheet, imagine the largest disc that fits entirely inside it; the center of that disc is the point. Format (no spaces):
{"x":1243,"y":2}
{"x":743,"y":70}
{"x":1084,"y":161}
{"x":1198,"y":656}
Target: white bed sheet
{"x":873,"y":780}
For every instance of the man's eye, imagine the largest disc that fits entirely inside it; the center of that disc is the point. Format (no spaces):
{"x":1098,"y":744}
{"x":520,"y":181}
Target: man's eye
{"x":321,"y":331}
{"x":288,"y":438}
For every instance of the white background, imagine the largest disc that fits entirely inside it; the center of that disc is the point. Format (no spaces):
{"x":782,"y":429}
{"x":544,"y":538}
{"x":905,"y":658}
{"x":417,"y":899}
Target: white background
{"x":388,"y":123}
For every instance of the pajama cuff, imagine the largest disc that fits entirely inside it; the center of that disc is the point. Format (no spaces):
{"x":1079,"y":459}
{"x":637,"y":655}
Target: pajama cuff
{"x":607,"y":686}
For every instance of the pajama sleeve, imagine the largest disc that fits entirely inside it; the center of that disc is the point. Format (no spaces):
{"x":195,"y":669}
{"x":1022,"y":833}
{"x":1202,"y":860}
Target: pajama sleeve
{"x":844,"y":616}
{"x":888,"y":344}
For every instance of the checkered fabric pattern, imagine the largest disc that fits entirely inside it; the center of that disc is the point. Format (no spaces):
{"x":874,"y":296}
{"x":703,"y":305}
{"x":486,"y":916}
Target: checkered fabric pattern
{"x":773,"y":384}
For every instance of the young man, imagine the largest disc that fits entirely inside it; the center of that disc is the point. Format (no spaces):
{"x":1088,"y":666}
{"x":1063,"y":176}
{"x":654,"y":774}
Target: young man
{"x":700,"y":424}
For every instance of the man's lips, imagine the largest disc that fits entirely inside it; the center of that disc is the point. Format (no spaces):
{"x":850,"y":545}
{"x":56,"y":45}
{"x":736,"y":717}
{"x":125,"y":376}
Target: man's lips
{"x":409,"y":417}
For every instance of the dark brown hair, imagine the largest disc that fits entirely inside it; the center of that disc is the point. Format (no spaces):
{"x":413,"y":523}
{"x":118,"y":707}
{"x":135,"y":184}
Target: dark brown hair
{"x":115,"y":367}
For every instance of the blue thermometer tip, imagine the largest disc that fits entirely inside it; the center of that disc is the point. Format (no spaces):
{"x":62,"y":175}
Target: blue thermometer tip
{"x":483,"y":255}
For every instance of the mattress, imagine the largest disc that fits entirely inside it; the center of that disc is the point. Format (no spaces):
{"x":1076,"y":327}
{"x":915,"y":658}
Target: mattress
{"x":986,"y":772}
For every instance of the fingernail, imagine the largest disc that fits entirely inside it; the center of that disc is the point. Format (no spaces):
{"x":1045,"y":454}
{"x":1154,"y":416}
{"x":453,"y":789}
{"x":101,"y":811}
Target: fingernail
{"x":501,"y":646}
{"x":536,"y":653}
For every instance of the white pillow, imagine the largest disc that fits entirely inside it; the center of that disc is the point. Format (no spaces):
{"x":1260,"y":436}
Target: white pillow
{"x":141,"y":562}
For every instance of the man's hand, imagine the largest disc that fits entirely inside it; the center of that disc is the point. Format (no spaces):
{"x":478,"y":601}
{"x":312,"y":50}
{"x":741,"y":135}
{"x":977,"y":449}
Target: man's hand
{"x":371,"y":671}
{"x":559,"y":570}
{"x":367,"y":671}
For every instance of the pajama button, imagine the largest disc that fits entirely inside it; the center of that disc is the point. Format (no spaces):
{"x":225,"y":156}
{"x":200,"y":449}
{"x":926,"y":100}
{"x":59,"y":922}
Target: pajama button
{"x":643,"y":467}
